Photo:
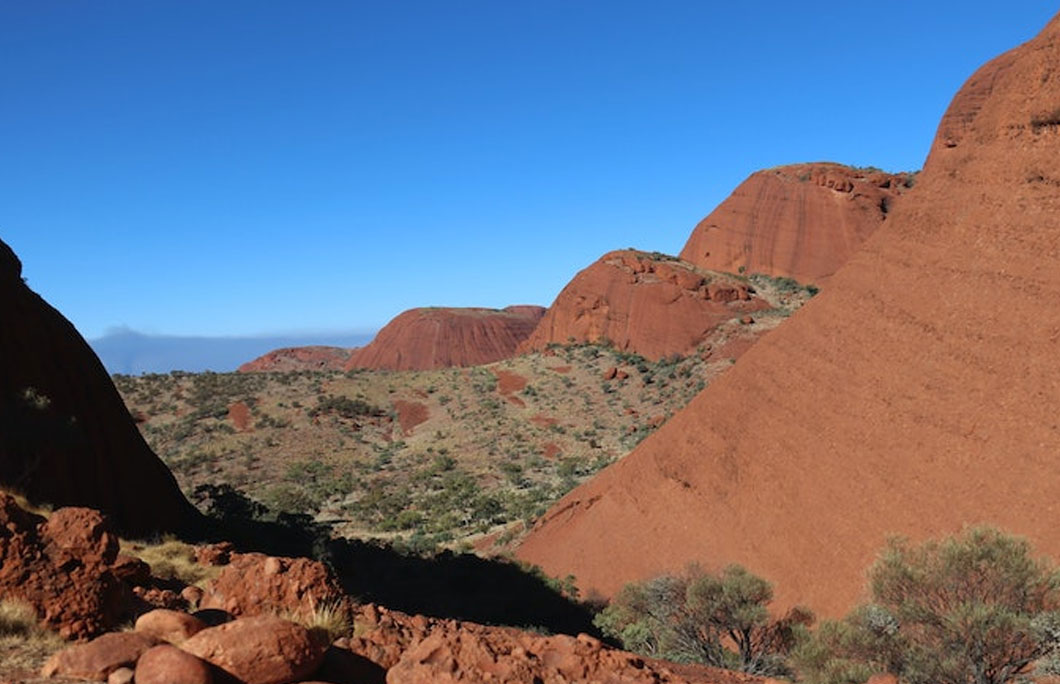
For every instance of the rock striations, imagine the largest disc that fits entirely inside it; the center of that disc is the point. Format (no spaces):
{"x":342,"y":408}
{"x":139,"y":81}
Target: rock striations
{"x":435,"y":337}
{"x":801,"y":221}
{"x":642,"y":302}
{"x":65,"y":435}
{"x":916,"y":394}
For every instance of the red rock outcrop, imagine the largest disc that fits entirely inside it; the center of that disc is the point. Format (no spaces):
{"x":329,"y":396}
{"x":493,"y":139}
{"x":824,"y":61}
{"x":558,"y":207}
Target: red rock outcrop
{"x":429,"y":338}
{"x":802,"y":221}
{"x":299,"y":359}
{"x":62,"y":568}
{"x":418,"y":650}
{"x":917,"y":393}
{"x":256,"y":584}
{"x":650,"y":304}
{"x":65,"y":435}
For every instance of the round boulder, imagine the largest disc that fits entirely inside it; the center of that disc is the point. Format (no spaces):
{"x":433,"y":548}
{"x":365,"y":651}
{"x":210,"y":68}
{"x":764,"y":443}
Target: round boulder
{"x":167,"y":664}
{"x":169,"y":625}
{"x":260,"y":650}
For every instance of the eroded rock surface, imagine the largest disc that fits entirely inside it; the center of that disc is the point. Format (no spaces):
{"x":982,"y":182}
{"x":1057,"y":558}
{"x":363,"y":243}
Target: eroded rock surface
{"x":801,"y":221}
{"x":646,"y":303}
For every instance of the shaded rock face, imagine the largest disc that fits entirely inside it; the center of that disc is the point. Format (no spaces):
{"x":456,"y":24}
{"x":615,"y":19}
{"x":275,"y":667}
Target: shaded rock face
{"x":299,"y":359}
{"x":801,"y":221}
{"x":430,"y":338}
{"x":915,"y":394}
{"x":65,"y":435}
{"x":649,"y":304}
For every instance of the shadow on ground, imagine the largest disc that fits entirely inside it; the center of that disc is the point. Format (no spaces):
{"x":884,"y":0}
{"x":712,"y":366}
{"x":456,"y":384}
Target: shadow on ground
{"x":445,"y":585}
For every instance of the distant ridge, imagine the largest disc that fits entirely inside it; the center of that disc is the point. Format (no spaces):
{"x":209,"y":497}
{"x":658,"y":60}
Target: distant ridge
{"x":444,"y":337}
{"x":131,"y":353}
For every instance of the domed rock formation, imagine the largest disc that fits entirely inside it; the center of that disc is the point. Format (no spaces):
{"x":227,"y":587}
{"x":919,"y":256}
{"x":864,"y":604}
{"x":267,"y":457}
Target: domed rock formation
{"x":299,"y":359}
{"x":916,"y":394}
{"x":65,"y":435}
{"x":801,"y":221}
{"x":434,"y":337}
{"x":647,"y":303}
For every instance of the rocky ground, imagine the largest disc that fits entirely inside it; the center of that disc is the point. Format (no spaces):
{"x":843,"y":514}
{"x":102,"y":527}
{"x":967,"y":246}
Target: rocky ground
{"x":250,"y":618}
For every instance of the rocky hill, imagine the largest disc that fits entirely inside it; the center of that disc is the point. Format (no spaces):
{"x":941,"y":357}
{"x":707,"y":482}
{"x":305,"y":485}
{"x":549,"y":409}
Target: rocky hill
{"x":437,"y":337}
{"x":299,"y":358}
{"x":65,"y":435}
{"x":801,"y":221}
{"x":647,"y":303}
{"x":914,"y":395}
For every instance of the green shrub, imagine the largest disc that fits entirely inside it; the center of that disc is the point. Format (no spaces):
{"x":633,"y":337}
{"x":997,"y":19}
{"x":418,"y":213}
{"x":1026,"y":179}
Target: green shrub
{"x":976,"y":608}
{"x":718,"y":620}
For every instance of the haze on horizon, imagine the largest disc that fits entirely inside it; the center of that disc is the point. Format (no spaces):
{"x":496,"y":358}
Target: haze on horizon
{"x":195,"y":168}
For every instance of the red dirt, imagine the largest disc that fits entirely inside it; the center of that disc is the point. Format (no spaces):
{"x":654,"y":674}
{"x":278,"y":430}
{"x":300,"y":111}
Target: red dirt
{"x":560,"y":369}
{"x":298,"y":359}
{"x":916,"y":394}
{"x":508,"y":382}
{"x":654,"y":306}
{"x":411,"y":414}
{"x":239,"y":415}
{"x":65,"y":435}
{"x":550,"y":450}
{"x":430,"y":338}
{"x":803,"y":221}
{"x":543,"y":420}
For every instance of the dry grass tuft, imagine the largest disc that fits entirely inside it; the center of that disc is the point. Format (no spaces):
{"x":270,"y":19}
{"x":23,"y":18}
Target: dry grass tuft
{"x":330,"y":619}
{"x":171,"y":559}
{"x":24,"y":643}
{"x":18,"y":618}
{"x":40,"y":509}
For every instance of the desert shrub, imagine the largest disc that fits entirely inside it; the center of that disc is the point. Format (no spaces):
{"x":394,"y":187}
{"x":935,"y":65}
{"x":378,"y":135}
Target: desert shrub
{"x":286,"y":497}
{"x":720,"y":620}
{"x":344,"y":407}
{"x":976,"y":608}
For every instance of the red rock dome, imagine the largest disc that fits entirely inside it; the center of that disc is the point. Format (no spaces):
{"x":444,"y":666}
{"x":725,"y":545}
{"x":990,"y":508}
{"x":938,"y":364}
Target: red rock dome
{"x":916,"y":394}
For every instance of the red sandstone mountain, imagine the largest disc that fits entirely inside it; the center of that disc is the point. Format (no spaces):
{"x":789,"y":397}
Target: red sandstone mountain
{"x":802,"y":221}
{"x":434,"y":337}
{"x":299,"y":358}
{"x":651,"y":304}
{"x":65,"y":435}
{"x":917,"y":393}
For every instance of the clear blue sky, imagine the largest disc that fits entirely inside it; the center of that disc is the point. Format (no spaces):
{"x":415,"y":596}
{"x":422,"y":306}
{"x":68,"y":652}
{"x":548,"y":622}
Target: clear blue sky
{"x":229,"y":167}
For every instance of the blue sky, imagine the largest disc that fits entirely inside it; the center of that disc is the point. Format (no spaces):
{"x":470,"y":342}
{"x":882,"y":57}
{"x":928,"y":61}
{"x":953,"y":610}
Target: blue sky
{"x":206,"y":167}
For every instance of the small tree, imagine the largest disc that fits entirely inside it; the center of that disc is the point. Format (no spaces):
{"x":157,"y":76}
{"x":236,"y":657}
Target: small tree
{"x":977,"y":608}
{"x":720,"y":620}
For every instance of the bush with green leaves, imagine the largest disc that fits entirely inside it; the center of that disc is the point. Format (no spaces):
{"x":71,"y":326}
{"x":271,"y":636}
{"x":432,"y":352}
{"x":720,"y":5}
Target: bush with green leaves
{"x":720,"y":620}
{"x":977,"y":608}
